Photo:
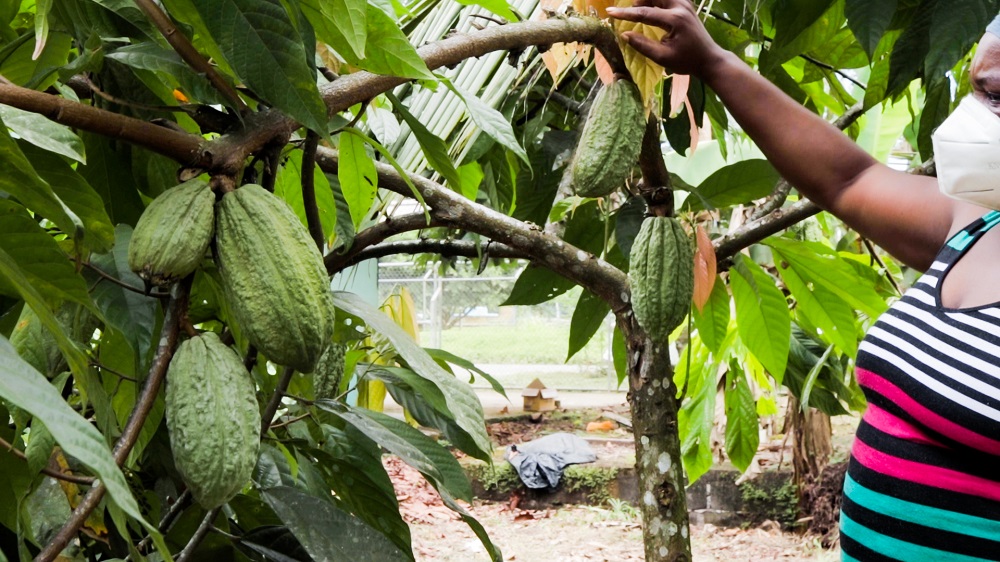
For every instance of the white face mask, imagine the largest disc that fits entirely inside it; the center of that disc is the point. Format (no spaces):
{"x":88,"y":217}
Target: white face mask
{"x":967,"y":154}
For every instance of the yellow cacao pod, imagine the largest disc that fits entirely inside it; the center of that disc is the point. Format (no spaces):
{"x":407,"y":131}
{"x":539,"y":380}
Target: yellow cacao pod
{"x":661,"y":275}
{"x":212,"y":419}
{"x":274,"y":278}
{"x":171,"y":237}
{"x":610,"y":141}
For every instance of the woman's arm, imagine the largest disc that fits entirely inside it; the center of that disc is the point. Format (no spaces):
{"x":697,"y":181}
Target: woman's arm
{"x":905,"y":214}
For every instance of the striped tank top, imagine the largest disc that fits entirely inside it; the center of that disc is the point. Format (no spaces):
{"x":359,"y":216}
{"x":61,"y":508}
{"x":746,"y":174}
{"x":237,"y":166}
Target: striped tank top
{"x":923,"y":482}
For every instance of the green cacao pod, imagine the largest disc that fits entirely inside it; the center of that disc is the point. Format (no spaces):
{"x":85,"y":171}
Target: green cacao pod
{"x":329,"y":371}
{"x":274,"y":278}
{"x":212,"y":419}
{"x":171,"y":237}
{"x":661,"y":275}
{"x":610,"y":141}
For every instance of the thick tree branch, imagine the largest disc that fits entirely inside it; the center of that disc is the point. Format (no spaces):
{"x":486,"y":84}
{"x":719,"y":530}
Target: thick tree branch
{"x":391,"y":226}
{"x":130,"y":434}
{"x":603,"y":279}
{"x":309,"y":190}
{"x":443,"y":248}
{"x":186,"y":50}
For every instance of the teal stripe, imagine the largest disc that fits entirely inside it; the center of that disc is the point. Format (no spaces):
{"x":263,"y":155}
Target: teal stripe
{"x":922,"y":514}
{"x":895,"y":548}
{"x":961,"y":241}
{"x":992,"y":218}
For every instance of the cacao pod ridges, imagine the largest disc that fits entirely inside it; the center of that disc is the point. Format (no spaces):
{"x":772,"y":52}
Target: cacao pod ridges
{"x":173,"y":233}
{"x":212,"y":419}
{"x":274,"y":279}
{"x":610,"y":141}
{"x":661,"y":276}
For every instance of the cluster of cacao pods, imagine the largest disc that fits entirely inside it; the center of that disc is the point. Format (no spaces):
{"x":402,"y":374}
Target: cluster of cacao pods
{"x":275,"y":285}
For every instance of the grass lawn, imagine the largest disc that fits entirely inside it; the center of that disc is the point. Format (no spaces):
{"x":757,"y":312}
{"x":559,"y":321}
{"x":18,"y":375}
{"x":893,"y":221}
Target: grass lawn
{"x":533,"y":342}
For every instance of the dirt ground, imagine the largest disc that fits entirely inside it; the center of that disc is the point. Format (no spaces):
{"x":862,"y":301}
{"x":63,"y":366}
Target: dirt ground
{"x":573,"y":533}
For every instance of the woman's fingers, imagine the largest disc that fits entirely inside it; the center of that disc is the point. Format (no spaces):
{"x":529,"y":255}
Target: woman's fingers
{"x":642,"y":14}
{"x":654,"y":50}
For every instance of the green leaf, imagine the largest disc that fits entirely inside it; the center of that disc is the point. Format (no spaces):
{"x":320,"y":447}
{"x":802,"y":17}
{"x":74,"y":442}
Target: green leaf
{"x":36,"y":254}
{"x":272,"y":469}
{"x":491,"y":121}
{"x":288,"y":186}
{"x":19,"y":179}
{"x":694,"y":421}
{"x":461,"y":399}
{"x":435,"y":462}
{"x":734,"y":184}
{"x":957,"y":25}
{"x":446,"y":356}
{"x":535,"y":285}
{"x":713,"y":319}
{"x":869,"y":21}
{"x":812,"y":376}
{"x":762,"y":317}
{"x":39,"y":448}
{"x":357,"y":175}
{"x":742,"y":431}
{"x":76,"y":193}
{"x":588,"y":316}
{"x":792,"y":20}
{"x":499,"y":7}
{"x":27,"y":389}
{"x":131,"y":313}
{"x":910,"y":50}
{"x":44,"y":133}
{"x":434,"y":149}
{"x":427,"y":404}
{"x":109,"y":172}
{"x":342,"y":24}
{"x":36,"y":73}
{"x":628,"y":222}
{"x":818,"y":264}
{"x":265,"y":50}
{"x":274,"y":543}
{"x":389,"y":51}
{"x":327,"y":533}
{"x":823,"y":308}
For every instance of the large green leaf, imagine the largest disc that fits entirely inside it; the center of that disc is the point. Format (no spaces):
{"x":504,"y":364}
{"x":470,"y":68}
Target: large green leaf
{"x":823,"y":308}
{"x":44,"y":265}
{"x":442,"y":356}
{"x":911,"y":49}
{"x":536,"y":285}
{"x":43,"y":133}
{"x":342,"y":24}
{"x":427,"y":404}
{"x":76,"y":193}
{"x":801,"y":26}
{"x":695,"y":418}
{"x":869,"y":20}
{"x":289,"y":187}
{"x":356,"y":172}
{"x":712,"y":320}
{"x":818,"y":264}
{"x":19,"y":179}
{"x":131,"y":313}
{"x":21,"y":68}
{"x":434,"y":149}
{"x":109,"y":172}
{"x":742,"y":431}
{"x":460,"y":398}
{"x":435,"y":462}
{"x":264,"y":48}
{"x":389,"y":51}
{"x":499,"y":7}
{"x":958,"y":24}
{"x":272,"y":469}
{"x":326,"y":532}
{"x":762,"y":317}
{"x":491,"y":121}
{"x":27,"y":389}
{"x":734,"y":184}
{"x":588,"y":316}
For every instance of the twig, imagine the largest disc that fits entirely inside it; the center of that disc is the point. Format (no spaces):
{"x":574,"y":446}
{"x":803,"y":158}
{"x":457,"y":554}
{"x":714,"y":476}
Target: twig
{"x":104,"y":275}
{"x":178,"y":507}
{"x":272,"y":405}
{"x":198,"y":536}
{"x":376,"y":234}
{"x":126,"y":103}
{"x":186,"y":50}
{"x":85,"y":480}
{"x":309,"y":190}
{"x":130,"y":434}
{"x":101,"y":366}
{"x":291,"y":421}
{"x":878,"y":260}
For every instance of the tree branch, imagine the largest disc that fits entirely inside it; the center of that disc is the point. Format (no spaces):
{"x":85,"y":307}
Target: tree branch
{"x":603,"y":279}
{"x":186,"y":50}
{"x":85,"y":480}
{"x":272,"y":405}
{"x":444,"y":248}
{"x":391,"y":226}
{"x":309,"y":190}
{"x":130,"y":434}
{"x":198,"y":536}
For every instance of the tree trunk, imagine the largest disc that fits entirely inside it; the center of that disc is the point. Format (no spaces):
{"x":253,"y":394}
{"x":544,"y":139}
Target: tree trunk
{"x":652,"y":397}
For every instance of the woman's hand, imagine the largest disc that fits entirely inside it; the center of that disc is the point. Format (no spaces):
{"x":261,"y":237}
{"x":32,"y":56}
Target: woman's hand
{"x":686,"y":48}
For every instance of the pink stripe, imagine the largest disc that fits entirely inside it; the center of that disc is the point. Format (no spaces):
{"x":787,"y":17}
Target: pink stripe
{"x":927,"y":417}
{"x":888,"y":423}
{"x":928,"y":475}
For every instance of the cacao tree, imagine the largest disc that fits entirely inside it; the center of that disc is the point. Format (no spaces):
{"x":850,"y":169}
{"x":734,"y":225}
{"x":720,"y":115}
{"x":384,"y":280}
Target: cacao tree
{"x":338,"y":110}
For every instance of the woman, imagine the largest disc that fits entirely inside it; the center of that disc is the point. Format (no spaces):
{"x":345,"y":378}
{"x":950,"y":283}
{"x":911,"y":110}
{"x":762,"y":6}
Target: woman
{"x":923,"y":482}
